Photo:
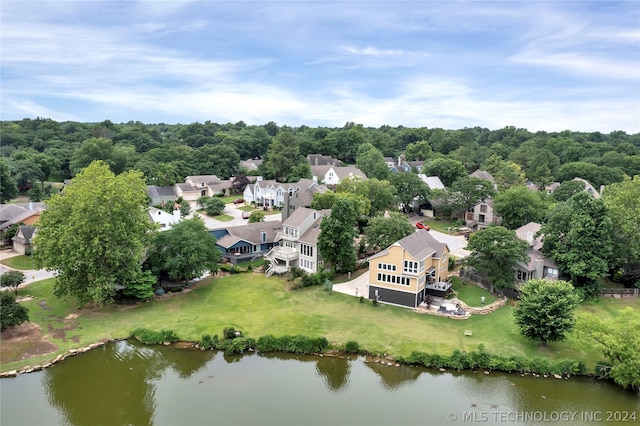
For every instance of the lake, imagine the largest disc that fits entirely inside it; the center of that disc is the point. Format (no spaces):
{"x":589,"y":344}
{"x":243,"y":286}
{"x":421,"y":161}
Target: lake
{"x":125,"y":383}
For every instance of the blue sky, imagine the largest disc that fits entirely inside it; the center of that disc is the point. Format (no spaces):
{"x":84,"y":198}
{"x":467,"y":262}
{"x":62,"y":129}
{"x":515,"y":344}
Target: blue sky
{"x":535,"y":65}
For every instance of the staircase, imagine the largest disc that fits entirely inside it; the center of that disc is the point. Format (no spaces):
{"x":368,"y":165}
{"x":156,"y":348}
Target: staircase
{"x":272,"y":263}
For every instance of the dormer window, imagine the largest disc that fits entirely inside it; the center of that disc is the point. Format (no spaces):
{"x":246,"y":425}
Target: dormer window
{"x":263,"y":237}
{"x":202,"y":184}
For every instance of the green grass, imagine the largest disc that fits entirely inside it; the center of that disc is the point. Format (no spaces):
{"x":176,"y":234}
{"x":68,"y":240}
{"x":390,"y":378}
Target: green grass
{"x":259,"y":209}
{"x":223,"y":217}
{"x":438,"y":225}
{"x":471,"y":294}
{"x":258,"y":306}
{"x":21,"y":262}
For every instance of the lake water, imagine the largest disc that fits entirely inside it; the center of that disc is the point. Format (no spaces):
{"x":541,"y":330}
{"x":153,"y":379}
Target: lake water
{"x":125,"y":383}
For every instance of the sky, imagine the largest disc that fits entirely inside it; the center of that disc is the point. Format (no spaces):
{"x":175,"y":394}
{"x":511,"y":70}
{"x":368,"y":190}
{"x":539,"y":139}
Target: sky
{"x":548,"y":66}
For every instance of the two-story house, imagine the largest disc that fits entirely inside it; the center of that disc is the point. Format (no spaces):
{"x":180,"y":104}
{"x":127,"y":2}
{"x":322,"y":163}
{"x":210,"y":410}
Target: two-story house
{"x":332,"y":175}
{"x":163,"y":219}
{"x":482,"y":214}
{"x":405,"y":272}
{"x":538,"y":266}
{"x":297,"y":243}
{"x":195,"y":187}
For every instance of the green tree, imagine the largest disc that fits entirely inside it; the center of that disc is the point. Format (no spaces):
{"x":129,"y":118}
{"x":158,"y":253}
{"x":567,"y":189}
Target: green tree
{"x":495,"y":251}
{"x":518,"y":206}
{"x":380,"y":193}
{"x":214,"y":206}
{"x":568,"y":189}
{"x":11,"y":312}
{"x":12,"y":279}
{"x":446,"y":169}
{"x":282,"y":156}
{"x":618,"y":340}
{"x":337,"y":233}
{"x":116,"y":157}
{"x":8,"y":185}
{"x":184,"y":252}
{"x":544,"y":312}
{"x":371,"y":161}
{"x":469,"y":191}
{"x":409,"y":188}
{"x":326,"y":200}
{"x":623,"y":201}
{"x":418,"y":151}
{"x":578,"y":236}
{"x":256,"y":216}
{"x":95,"y":234}
{"x":383,"y":231}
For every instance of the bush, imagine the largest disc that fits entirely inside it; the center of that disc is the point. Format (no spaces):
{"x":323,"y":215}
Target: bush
{"x":352,"y":347}
{"x":229,"y":333}
{"x":374,"y":302}
{"x":292,"y":344}
{"x":11,"y":312}
{"x":149,"y":337}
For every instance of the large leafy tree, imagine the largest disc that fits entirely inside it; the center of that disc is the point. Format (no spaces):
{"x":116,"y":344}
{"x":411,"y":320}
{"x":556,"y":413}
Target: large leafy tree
{"x":544,"y":312}
{"x":8,"y":185}
{"x":185,"y":251}
{"x":568,"y":189}
{"x":494,"y":252}
{"x":420,"y":150}
{"x":371,"y":161}
{"x":623,"y":201}
{"x":337,"y":233}
{"x":618,"y":340}
{"x":94,"y":235}
{"x":327,"y":200}
{"x":11,"y":312}
{"x":469,"y":191}
{"x":518,"y":206}
{"x":578,"y":236}
{"x":214,"y":206}
{"x":282,"y":156}
{"x":446,"y":169}
{"x":383,"y":231}
{"x":380,"y":193}
{"x":409,"y":187}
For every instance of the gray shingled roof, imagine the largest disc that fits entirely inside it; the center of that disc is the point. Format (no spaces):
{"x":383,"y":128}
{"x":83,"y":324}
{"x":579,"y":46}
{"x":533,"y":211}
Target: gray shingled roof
{"x":483,"y":174}
{"x":251,"y":233}
{"x":298,"y":216}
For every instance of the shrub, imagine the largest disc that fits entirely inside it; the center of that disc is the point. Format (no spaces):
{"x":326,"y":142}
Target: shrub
{"x":352,"y":347}
{"x":229,"y":333}
{"x":292,"y":344}
{"x":361,"y":299}
{"x":374,"y":302}
{"x":149,"y":337}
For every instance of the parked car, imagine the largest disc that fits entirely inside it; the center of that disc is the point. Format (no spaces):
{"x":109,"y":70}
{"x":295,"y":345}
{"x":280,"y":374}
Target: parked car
{"x":238,"y":201}
{"x":421,"y":225}
{"x":245,"y":215}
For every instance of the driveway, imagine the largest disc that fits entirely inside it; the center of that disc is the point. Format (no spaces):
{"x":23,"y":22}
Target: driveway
{"x":358,"y":286}
{"x":234,"y":211}
{"x":31,"y":275}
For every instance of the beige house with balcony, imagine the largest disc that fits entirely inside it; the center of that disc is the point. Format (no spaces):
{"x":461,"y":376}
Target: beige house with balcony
{"x":405,"y":272}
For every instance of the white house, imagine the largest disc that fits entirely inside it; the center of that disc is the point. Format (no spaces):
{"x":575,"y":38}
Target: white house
{"x":163,"y":219}
{"x":433,"y":182}
{"x":332,"y":175}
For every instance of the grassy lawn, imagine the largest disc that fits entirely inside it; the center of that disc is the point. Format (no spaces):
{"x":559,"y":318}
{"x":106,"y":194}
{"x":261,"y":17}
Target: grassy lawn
{"x":438,"y":225}
{"x":223,"y":217}
{"x":259,"y":209}
{"x":471,"y":294}
{"x":259,"y":306}
{"x":21,"y":262}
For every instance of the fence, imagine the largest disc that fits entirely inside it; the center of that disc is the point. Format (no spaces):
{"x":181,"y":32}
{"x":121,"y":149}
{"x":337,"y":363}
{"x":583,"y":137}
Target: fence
{"x":471,"y":275}
{"x":619,"y":292}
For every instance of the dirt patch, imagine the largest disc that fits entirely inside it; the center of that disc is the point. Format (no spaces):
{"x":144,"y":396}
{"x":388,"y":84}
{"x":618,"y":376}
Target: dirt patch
{"x":44,"y":306}
{"x":23,"y":342}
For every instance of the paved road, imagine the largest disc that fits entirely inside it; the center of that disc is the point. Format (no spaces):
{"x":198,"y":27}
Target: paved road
{"x":233,"y":210}
{"x":31,"y":274}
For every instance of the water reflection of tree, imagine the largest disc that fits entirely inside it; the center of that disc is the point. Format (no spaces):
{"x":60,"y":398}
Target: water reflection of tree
{"x":394,"y":377}
{"x":113,"y":384}
{"x":335,"y":372}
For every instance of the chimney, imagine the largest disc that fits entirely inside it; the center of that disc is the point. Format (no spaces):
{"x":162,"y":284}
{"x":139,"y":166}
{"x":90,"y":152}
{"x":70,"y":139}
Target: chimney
{"x":539,"y":267}
{"x":315,"y":179}
{"x":30,"y":205}
{"x":285,"y":206}
{"x":259,"y":179}
{"x":530,"y":238}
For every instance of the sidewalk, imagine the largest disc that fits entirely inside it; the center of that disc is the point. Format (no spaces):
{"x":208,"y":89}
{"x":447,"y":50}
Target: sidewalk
{"x":358,"y":286}
{"x":32,"y":275}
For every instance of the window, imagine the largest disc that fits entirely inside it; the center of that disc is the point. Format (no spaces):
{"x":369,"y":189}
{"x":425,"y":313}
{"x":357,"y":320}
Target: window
{"x":483,"y":208}
{"x":393,"y":279}
{"x":306,"y":250}
{"x":410,"y":267}
{"x":263,"y":236}
{"x":421,"y":265}
{"x":387,"y":267}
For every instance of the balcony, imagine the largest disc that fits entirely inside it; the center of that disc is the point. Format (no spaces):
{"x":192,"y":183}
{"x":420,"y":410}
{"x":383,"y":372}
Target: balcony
{"x":284,"y":253}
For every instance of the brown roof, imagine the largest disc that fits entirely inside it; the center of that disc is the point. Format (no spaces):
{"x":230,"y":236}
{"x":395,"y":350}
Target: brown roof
{"x":483,"y":174}
{"x":250,"y":233}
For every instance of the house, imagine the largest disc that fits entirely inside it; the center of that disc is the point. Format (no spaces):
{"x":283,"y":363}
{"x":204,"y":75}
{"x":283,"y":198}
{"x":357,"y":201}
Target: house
{"x":302,"y":195}
{"x":482,"y":214}
{"x":247,"y":242}
{"x":22,"y":240}
{"x":297,"y":243}
{"x":405,"y":272}
{"x":403,"y":166}
{"x":538,"y":266}
{"x":250,"y":165}
{"x":332,"y":175}
{"x":195,"y":187}
{"x":160,"y":195}
{"x":433,"y":182}
{"x":322,"y":160}
{"x":163,"y":219}
{"x":24,"y":213}
{"x":589,"y":188}
{"x":269,"y":193}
